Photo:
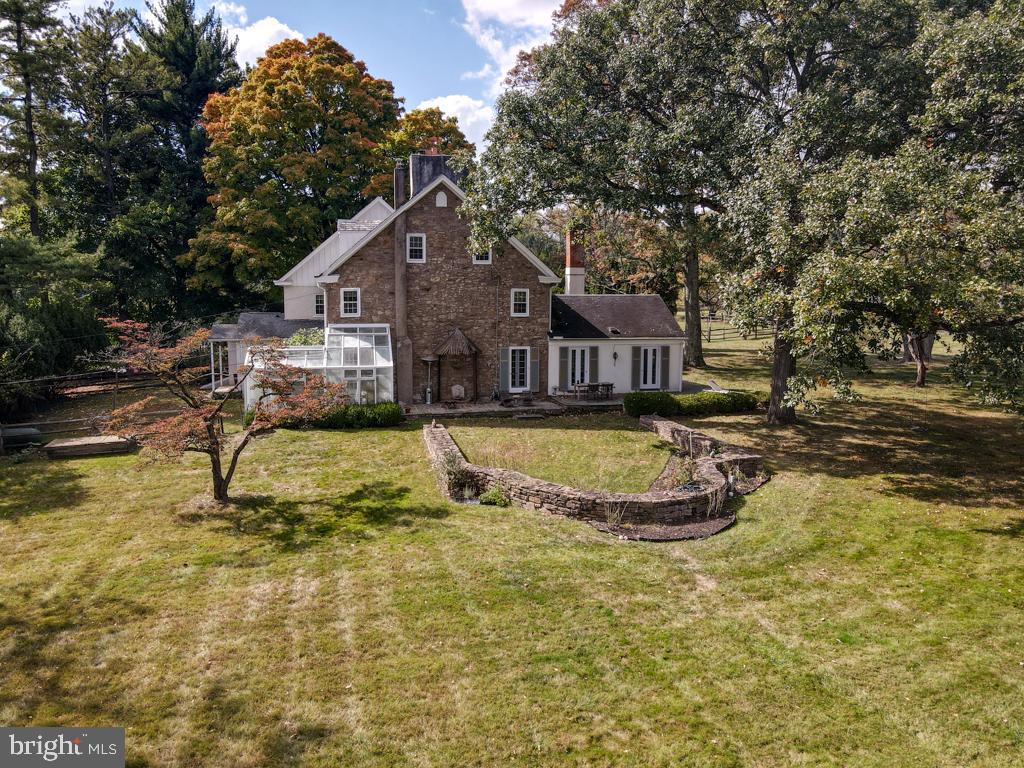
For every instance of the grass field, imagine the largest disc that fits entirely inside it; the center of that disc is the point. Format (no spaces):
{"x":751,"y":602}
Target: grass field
{"x":866,"y":610}
{"x":598,"y":452}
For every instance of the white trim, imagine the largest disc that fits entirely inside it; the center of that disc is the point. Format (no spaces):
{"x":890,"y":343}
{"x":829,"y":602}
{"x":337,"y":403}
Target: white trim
{"x":408,"y":242}
{"x":512,"y":303}
{"x":341,"y":302}
{"x":546,"y":275}
{"x":378,"y":203}
{"x":510,"y":367}
{"x":582,"y":357}
{"x":653,"y":367}
{"x":319,"y":302}
{"x":488,"y":260}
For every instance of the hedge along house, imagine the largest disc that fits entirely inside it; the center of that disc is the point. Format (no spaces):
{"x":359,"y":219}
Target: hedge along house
{"x":631,"y":341}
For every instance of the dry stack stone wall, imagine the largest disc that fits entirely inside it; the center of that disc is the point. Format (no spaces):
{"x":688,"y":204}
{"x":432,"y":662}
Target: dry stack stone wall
{"x":719,"y":469}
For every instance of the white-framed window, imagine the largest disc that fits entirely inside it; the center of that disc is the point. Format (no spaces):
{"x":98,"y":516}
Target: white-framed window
{"x":350,"y":302}
{"x":484,"y":257}
{"x":318,"y":304}
{"x":520,"y":302}
{"x":518,"y":369}
{"x":416,"y":247}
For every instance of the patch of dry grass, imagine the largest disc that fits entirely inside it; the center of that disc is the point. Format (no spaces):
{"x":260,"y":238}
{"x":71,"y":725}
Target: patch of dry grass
{"x":598,"y":452}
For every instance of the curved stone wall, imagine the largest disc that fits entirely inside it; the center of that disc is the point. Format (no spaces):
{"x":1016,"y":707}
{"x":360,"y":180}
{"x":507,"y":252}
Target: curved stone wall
{"x":720,"y":470}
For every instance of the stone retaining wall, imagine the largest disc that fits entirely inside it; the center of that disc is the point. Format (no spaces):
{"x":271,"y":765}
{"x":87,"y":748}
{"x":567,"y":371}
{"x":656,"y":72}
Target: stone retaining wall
{"x":715,"y":472}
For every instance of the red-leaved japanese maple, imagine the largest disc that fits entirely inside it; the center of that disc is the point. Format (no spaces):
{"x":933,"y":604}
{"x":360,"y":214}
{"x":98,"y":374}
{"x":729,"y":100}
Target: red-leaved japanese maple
{"x":289,"y":395}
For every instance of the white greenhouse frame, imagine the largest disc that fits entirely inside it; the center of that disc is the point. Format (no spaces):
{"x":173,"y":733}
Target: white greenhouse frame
{"x":357,"y":355}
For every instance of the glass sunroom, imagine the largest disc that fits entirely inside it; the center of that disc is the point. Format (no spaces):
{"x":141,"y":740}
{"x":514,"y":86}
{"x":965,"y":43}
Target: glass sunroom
{"x":357,"y":355}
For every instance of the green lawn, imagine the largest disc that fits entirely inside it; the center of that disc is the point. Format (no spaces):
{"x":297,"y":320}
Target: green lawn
{"x":596,"y":452}
{"x":866,"y":610}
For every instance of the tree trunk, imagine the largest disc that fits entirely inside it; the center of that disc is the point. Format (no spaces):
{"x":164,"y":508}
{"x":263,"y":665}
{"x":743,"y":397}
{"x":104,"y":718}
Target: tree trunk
{"x":927,"y":344}
{"x":783,"y":366}
{"x":691,"y":298}
{"x":28,"y":116}
{"x":220,"y":484}
{"x":920,"y":355}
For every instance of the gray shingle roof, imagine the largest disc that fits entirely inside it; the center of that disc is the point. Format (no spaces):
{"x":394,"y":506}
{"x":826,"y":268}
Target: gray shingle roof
{"x":612,"y":316}
{"x":261,"y":325}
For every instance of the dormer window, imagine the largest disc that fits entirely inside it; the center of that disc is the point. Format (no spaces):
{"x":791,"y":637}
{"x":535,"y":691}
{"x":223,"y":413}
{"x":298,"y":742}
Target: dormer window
{"x":484,"y":257}
{"x":416,"y":248}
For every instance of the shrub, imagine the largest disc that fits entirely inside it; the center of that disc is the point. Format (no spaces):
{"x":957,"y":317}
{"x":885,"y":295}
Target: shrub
{"x":650,"y":403}
{"x":357,"y":416}
{"x":353,"y":416}
{"x":457,"y":478}
{"x":496,"y":497}
{"x":710,"y":403}
{"x":306,"y":337}
{"x":696,"y":404}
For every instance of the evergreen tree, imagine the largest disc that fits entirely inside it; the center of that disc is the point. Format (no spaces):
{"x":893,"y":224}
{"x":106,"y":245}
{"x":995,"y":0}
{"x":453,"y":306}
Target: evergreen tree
{"x":30,"y":58}
{"x":200,"y":56}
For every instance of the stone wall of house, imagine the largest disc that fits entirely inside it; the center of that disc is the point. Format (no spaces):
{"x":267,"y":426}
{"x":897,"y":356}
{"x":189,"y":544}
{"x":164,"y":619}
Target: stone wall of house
{"x":715,"y":473}
{"x":450,"y":291}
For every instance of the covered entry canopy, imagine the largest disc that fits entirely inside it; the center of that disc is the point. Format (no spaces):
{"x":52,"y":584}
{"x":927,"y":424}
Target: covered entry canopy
{"x":457,"y":344}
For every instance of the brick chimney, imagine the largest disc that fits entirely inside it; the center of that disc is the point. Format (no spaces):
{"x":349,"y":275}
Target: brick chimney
{"x":400,"y":194}
{"x":575,"y":264}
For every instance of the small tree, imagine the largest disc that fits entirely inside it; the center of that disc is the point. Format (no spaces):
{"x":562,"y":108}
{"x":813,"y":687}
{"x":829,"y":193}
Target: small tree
{"x":290,"y":395}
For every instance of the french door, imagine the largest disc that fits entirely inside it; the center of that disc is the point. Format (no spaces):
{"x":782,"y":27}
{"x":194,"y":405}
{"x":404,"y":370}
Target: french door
{"x":650,"y":368}
{"x":519,"y":369}
{"x":579,"y":365}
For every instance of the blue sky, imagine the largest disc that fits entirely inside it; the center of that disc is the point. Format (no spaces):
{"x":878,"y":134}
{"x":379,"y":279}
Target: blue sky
{"x":447,"y":53}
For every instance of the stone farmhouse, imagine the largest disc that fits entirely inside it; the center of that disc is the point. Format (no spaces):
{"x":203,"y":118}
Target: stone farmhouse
{"x":410,"y":313}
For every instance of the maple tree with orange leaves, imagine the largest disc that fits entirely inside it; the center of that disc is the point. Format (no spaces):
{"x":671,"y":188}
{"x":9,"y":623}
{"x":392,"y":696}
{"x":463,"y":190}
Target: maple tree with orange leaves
{"x":290,"y":395}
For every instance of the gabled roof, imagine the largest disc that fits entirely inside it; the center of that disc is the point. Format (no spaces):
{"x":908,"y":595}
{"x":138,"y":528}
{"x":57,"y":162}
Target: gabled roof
{"x":349,"y":231}
{"x":376,"y":210}
{"x":612,"y":316}
{"x":260,"y":325}
{"x":547,"y":276}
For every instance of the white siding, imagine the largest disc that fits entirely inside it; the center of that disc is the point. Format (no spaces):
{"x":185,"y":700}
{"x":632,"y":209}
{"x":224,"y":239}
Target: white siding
{"x":300,"y":302}
{"x":618,"y":371}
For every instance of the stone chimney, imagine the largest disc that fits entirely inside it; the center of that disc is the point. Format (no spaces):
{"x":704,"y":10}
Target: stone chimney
{"x":575,"y":264}
{"x":424,"y":167}
{"x":400,"y":194}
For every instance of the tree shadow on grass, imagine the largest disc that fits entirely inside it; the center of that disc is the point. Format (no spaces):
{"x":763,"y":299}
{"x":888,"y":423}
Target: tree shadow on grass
{"x":919,"y":451}
{"x":52,"y":641}
{"x":35,"y":486}
{"x":1012,"y":529}
{"x":295,"y":524}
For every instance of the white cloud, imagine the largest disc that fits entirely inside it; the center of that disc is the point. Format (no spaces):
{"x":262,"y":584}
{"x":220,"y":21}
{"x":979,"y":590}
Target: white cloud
{"x":255,"y":38}
{"x":504,"y":28}
{"x":475,"y":115}
{"x":232,"y":14}
{"x":513,"y":13}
